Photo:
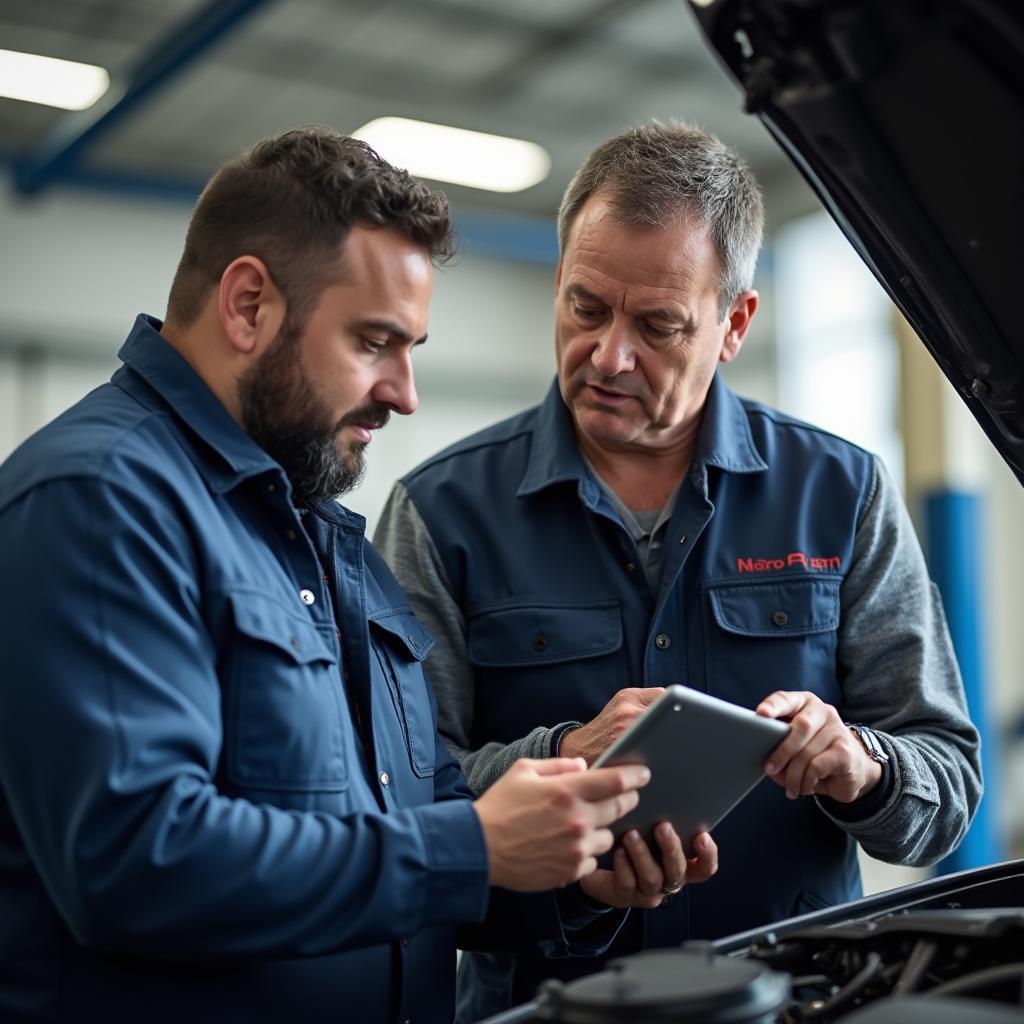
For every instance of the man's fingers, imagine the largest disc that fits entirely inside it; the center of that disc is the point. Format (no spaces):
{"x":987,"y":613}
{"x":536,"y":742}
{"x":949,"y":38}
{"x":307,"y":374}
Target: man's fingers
{"x":606,"y":812}
{"x":702,"y":866}
{"x":602,"y":783}
{"x":649,"y":694}
{"x":782,"y":703}
{"x":812,"y":717}
{"x":673,"y":859}
{"x":600,"y":840}
{"x":625,"y":876}
{"x":795,"y":776}
{"x":648,"y":872}
{"x":555,"y":765}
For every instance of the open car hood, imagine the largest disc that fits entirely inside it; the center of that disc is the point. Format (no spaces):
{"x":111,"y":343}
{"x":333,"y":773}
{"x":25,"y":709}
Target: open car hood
{"x":907,"y":119}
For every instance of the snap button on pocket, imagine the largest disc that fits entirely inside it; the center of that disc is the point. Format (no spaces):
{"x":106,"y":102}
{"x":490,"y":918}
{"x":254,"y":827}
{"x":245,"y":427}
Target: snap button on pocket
{"x":307,"y":596}
{"x":663,"y":642}
{"x":540,"y":643}
{"x":780,"y":618}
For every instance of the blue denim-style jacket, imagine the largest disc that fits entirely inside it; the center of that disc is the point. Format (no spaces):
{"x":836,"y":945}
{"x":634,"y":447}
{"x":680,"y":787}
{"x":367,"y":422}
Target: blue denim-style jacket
{"x":222,"y":795}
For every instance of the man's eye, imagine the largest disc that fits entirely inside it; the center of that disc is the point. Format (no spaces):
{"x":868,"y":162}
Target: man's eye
{"x":659,"y":332}
{"x":586,"y":314}
{"x":374,"y":344}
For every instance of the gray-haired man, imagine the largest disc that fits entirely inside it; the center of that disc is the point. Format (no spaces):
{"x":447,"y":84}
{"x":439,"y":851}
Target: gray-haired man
{"x":644,"y":525}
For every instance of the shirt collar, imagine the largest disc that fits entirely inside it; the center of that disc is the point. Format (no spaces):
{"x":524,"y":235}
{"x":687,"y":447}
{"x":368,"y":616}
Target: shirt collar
{"x":165,"y":370}
{"x":724,"y":440}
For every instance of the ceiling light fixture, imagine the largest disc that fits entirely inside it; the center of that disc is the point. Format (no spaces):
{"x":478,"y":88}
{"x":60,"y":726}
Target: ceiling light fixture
{"x":443,"y":153}
{"x":57,"y":83}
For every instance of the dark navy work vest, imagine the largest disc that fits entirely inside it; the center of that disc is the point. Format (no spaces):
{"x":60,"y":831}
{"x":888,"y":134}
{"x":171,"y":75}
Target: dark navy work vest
{"x":560,"y":616}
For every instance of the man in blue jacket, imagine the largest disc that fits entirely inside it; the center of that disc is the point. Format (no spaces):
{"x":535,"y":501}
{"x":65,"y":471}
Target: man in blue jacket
{"x":644,"y":526}
{"x":222,"y":794}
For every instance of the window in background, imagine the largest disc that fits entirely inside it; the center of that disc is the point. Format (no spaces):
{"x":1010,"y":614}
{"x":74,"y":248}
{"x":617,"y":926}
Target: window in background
{"x":837,"y":356}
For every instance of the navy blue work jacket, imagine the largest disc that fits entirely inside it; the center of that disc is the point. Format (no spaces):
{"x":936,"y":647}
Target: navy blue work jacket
{"x":199,"y":820}
{"x":559,"y":616}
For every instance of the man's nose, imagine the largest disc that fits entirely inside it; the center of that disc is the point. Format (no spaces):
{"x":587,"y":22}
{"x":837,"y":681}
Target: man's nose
{"x":397,"y":388}
{"x":615,"y":351}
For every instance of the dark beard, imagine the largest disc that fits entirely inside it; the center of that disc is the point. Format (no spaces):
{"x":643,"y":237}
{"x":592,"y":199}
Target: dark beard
{"x":282,"y":414}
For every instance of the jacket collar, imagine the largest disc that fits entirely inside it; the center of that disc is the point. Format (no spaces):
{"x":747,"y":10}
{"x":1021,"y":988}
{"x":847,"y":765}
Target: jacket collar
{"x":724,"y":441}
{"x":156,"y":373}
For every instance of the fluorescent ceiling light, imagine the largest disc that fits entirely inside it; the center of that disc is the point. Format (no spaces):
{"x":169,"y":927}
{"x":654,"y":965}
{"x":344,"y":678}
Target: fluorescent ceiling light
{"x":57,"y":83}
{"x":442,"y":153}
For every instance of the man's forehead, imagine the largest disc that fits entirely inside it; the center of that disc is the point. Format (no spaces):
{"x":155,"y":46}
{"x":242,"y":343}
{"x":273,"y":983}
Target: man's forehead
{"x":371,"y":252}
{"x":604,"y":253}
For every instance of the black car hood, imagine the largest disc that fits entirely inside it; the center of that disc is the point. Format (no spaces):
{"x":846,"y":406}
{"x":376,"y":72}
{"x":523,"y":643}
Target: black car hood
{"x":907,"y":119}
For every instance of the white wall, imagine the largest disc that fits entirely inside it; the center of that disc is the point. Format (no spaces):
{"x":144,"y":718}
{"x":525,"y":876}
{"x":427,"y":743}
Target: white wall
{"x":76,"y":267}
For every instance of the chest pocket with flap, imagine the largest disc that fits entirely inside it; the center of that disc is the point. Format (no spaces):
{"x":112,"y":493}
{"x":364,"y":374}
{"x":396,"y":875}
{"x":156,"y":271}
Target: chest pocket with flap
{"x":543,"y":663}
{"x":777,"y":634}
{"x":285,"y":727}
{"x":401,"y":644}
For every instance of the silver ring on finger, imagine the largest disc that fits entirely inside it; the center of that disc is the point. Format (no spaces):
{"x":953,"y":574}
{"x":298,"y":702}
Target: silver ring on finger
{"x":671,"y":890}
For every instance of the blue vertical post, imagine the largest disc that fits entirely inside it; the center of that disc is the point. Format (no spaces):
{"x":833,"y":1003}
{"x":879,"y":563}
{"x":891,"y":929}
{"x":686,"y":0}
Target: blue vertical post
{"x":954,"y":532}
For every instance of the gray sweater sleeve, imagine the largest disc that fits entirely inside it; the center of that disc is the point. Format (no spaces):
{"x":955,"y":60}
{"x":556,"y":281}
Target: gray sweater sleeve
{"x":899,"y":675}
{"x":402,"y":538}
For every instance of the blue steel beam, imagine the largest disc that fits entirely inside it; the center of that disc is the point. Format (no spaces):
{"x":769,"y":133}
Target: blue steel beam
{"x":59,"y":152}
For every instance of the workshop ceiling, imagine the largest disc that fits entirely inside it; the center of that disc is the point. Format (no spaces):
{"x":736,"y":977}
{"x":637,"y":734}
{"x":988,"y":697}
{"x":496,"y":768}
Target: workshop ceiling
{"x":563,"y":73}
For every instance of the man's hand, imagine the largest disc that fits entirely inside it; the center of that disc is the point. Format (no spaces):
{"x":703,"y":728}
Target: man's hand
{"x":638,"y":880}
{"x":820,"y":755}
{"x":546,"y":822}
{"x":591,"y":740}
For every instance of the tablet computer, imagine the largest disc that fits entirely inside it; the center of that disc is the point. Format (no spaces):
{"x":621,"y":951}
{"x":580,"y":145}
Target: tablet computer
{"x":705,"y":755}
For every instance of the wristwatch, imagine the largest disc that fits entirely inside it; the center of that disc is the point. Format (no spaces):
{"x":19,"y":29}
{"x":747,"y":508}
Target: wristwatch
{"x":869,"y":741}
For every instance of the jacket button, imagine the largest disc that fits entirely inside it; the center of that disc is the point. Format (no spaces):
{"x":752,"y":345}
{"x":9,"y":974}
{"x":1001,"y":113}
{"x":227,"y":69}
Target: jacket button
{"x":307,"y":596}
{"x":663,"y":641}
{"x":385,"y":779}
{"x":780,"y":618}
{"x":295,"y":642}
{"x":540,"y":643}
{"x":630,"y":567}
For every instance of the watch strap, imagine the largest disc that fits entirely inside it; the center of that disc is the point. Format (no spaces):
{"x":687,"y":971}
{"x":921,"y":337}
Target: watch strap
{"x":869,"y":741}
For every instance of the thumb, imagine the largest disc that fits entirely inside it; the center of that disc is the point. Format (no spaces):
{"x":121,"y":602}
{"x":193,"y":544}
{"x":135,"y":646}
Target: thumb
{"x":649,"y":694}
{"x":781,"y":704}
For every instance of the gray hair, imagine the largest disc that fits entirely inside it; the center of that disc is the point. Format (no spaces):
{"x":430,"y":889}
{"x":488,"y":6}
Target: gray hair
{"x":654,"y":172}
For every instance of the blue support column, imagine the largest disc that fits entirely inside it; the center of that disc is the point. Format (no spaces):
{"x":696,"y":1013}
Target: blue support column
{"x":954,"y":530}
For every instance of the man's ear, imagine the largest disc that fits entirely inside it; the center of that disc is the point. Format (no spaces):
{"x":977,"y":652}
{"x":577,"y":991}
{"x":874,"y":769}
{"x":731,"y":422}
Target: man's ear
{"x":250,"y":305}
{"x":741,"y":312}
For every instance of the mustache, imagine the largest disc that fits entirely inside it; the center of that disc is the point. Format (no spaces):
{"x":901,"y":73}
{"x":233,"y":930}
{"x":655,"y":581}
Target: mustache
{"x":617,"y":384}
{"x":373,"y":415}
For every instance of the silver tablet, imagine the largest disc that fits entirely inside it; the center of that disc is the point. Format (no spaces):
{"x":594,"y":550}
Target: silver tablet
{"x":705,"y":755}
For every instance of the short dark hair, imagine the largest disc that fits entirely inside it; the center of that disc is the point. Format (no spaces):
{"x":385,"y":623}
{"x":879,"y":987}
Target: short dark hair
{"x":290,"y":201}
{"x":653,"y":172}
